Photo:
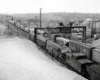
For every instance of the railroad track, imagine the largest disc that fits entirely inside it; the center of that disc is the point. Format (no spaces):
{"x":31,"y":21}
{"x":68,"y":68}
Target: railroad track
{"x":16,"y":30}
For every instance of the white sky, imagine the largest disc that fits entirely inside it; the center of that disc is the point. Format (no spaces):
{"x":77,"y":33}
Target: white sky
{"x":33,"y":6}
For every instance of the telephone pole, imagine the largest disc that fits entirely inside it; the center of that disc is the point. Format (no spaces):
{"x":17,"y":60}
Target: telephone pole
{"x":40,"y":18}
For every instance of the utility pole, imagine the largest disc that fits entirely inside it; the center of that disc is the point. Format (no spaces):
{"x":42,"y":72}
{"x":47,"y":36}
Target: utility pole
{"x":40,"y":18}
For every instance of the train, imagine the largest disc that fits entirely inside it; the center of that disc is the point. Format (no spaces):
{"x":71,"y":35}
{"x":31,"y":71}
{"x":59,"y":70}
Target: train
{"x":83,"y":58}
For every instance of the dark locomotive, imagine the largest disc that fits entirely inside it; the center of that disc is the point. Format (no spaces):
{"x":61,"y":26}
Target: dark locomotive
{"x":82,"y":57}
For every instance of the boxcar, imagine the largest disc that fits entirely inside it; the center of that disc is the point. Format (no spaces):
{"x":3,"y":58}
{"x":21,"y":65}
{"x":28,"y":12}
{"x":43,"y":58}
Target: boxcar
{"x":87,"y":50}
{"x":77,"y":46}
{"x":94,"y":72}
{"x":96,"y":55}
{"x":74,"y":46}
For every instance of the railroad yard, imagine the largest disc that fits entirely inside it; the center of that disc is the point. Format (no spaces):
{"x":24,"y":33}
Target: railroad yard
{"x":49,"y":40}
{"x":47,"y":53}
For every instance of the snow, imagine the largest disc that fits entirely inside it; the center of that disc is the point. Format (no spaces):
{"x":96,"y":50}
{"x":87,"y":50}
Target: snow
{"x":21,"y":59}
{"x":2,"y":29}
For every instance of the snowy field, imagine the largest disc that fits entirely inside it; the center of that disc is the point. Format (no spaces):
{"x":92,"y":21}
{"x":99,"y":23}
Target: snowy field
{"x":2,"y":29}
{"x":20,"y":59}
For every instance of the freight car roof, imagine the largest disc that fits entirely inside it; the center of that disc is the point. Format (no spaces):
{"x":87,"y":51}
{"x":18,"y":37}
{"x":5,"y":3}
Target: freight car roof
{"x":82,"y":44}
{"x":97,"y":49}
{"x":69,"y":54}
{"x":40,"y":37}
{"x":53,"y":44}
{"x":84,"y":61}
{"x":78,"y":55}
{"x":65,"y":49}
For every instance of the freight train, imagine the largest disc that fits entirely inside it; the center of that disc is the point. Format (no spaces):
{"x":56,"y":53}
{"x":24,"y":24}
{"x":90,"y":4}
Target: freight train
{"x":82,"y":57}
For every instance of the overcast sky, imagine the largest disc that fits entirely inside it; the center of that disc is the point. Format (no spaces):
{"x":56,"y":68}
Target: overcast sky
{"x":33,"y":6}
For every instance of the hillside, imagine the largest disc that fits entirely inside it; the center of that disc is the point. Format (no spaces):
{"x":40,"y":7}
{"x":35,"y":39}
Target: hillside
{"x":21,"y":59}
{"x":60,"y":16}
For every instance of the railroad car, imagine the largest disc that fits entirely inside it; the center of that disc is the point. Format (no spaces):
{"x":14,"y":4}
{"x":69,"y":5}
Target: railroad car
{"x":47,"y":35}
{"x":12,"y":22}
{"x":27,"y":29}
{"x":41,"y":41}
{"x":50,"y":46}
{"x":55,"y":49}
{"x":31,"y":36}
{"x":77,"y":46}
{"x":22,"y":27}
{"x":78,"y":61}
{"x":31,"y":29}
{"x":84,"y":58}
{"x":62,"y":41}
{"x":63,"y":50}
{"x":74,"y":46}
{"x":87,"y":50}
{"x":93,"y":71}
{"x":96,"y":55}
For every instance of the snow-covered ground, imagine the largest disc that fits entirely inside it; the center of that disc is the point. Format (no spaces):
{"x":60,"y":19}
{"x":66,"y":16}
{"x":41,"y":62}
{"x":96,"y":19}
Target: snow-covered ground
{"x":21,"y":59}
{"x":2,"y":29}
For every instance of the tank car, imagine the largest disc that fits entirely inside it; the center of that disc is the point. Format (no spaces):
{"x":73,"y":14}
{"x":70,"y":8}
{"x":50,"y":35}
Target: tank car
{"x":62,"y":41}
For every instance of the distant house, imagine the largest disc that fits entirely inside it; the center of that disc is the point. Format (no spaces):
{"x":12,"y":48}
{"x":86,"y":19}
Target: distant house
{"x":87,"y":23}
{"x":96,"y":26}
